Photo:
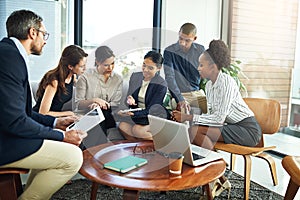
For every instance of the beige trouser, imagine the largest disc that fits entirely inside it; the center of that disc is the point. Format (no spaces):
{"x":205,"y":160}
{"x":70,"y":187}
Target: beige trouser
{"x":51,"y":167}
{"x":195,"y":99}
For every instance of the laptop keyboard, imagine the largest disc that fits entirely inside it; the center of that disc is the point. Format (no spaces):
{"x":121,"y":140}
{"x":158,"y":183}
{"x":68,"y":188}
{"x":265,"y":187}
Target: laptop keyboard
{"x":197,"y":156}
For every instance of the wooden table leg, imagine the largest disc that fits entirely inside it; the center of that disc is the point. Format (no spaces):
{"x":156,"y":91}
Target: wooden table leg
{"x":7,"y":185}
{"x":130,"y":194}
{"x":208,"y":191}
{"x":94,"y":191}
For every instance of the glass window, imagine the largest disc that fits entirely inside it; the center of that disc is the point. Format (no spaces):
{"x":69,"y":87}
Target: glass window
{"x":55,"y":15}
{"x":124,"y":26}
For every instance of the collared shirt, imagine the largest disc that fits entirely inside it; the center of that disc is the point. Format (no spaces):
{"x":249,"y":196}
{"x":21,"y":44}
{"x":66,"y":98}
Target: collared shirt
{"x":24,"y":54}
{"x":181,"y":69}
{"x":224,"y":102}
{"x":21,"y":50}
{"x":142,"y":94}
{"x":91,"y":84}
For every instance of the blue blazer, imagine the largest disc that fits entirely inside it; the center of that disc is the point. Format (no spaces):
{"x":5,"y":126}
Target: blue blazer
{"x":154,"y":96}
{"x":22,"y":131}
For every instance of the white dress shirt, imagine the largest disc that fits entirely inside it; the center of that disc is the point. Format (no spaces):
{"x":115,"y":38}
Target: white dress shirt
{"x":24,"y":54}
{"x":224,"y":102}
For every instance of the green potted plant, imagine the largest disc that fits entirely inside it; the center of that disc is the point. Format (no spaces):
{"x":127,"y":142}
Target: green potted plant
{"x":233,"y":70}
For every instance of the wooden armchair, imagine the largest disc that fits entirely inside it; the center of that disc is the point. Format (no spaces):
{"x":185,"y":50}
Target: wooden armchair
{"x":292,"y":165}
{"x":10,"y":183}
{"x":268,"y":115}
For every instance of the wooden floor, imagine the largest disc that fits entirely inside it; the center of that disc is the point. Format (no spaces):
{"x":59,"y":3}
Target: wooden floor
{"x":285,"y":144}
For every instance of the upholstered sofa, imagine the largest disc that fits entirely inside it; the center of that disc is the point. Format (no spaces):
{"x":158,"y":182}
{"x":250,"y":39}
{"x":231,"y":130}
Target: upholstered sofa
{"x":96,"y":135}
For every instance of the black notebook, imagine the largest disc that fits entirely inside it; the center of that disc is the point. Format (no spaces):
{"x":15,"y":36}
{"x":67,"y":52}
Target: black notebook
{"x":125,"y":164}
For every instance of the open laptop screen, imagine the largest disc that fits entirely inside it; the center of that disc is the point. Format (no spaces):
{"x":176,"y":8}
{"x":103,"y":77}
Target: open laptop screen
{"x":170,"y":136}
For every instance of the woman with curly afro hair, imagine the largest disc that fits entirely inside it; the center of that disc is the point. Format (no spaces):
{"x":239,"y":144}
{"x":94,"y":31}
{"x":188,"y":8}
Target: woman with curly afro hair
{"x":225,"y":104}
{"x":225,"y":107}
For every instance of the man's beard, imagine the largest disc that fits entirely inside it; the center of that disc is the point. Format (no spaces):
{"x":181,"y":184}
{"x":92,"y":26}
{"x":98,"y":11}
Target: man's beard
{"x":35,"y":51}
{"x":184,"y":49}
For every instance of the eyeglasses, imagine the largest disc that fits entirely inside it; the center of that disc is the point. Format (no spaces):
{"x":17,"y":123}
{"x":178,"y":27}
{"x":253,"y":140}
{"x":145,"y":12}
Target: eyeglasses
{"x":148,"y":67}
{"x":143,"y":150}
{"x":45,"y":34}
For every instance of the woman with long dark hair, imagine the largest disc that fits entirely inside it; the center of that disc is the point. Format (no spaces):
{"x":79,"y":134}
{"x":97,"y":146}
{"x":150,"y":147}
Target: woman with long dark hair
{"x":56,"y":87}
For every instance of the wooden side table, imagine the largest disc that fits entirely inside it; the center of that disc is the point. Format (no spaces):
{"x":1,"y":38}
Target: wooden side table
{"x":154,"y":176}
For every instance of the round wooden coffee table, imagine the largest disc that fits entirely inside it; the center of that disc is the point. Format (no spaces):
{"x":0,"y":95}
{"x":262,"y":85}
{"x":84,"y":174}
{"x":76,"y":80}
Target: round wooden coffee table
{"x":154,"y":176}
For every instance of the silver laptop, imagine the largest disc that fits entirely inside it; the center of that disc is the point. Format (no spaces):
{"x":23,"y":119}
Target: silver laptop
{"x":170,"y":136}
{"x":88,"y":121}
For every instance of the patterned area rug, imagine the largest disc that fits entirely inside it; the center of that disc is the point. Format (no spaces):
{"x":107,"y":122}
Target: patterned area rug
{"x":80,"y":190}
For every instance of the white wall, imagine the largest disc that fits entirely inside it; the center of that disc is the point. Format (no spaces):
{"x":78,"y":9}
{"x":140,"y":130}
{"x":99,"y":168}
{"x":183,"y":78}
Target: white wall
{"x":205,"y":14}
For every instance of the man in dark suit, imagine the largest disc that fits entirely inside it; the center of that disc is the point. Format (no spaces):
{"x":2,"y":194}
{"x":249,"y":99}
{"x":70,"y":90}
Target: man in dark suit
{"x":27,"y":138}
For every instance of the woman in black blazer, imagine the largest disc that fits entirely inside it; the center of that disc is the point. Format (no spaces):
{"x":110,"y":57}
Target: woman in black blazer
{"x":147,"y":90}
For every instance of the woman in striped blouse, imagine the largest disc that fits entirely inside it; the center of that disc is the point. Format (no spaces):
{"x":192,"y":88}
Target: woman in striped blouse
{"x":225,"y":105}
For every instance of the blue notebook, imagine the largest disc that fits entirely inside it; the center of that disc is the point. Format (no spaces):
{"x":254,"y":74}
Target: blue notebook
{"x":125,"y":164}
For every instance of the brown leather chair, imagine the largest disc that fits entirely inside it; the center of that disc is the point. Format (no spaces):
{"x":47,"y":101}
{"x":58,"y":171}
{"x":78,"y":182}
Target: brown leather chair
{"x":10,"y":183}
{"x":292,"y":165}
{"x":268,"y":115}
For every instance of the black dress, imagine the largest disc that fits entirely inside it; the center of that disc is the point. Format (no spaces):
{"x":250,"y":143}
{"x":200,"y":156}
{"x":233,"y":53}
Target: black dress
{"x":58,"y":100}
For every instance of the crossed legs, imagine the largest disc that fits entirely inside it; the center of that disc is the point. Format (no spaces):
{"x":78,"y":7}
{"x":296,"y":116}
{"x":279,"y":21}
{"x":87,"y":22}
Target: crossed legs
{"x":205,"y":136}
{"x":135,"y":132}
{"x":51,"y":167}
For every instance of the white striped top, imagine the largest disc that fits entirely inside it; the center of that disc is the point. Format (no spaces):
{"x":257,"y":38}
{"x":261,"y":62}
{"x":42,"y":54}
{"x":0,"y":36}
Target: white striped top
{"x":224,"y":102}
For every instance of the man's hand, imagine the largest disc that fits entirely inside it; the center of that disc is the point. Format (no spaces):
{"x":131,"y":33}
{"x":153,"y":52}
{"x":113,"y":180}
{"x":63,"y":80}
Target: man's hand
{"x":183,"y":106}
{"x":74,"y":136}
{"x":63,"y":122}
